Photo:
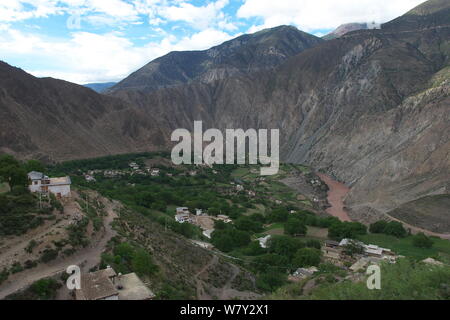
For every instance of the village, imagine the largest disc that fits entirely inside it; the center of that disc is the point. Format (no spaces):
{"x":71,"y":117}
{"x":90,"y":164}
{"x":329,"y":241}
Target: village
{"x":231,"y":212}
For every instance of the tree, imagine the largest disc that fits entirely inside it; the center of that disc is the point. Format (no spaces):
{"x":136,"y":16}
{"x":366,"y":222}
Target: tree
{"x":278,"y":215}
{"x":269,"y":262}
{"x":219,"y":225}
{"x":378,"y":227}
{"x":11,"y":171}
{"x":396,"y":229}
{"x":294,"y":226}
{"x":124,"y":250}
{"x":45,"y":289}
{"x":229,"y":239}
{"x":340,"y":230}
{"x":284,"y":245}
{"x":420,"y":240}
{"x":34,"y":165}
{"x":393,"y":228}
{"x":306,"y":257}
{"x":247,"y":224}
{"x":270,"y":281}
{"x":312,"y":243}
{"x":142,"y":263}
{"x":254,"y":249}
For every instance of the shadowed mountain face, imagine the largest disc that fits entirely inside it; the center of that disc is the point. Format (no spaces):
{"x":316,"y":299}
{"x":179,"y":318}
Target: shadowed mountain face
{"x":58,"y":120}
{"x":245,"y":54}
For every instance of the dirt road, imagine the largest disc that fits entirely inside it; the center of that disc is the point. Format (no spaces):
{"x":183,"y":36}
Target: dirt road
{"x":86,"y":258}
{"x":336,"y":195}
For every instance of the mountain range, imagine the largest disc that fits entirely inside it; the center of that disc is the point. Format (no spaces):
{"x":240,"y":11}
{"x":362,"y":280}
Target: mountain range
{"x":370,"y":108}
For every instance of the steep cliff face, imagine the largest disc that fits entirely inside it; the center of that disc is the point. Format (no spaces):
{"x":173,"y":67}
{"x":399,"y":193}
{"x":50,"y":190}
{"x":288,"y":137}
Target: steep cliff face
{"x":245,"y":54}
{"x":370,"y":108}
{"x":53,"y":119}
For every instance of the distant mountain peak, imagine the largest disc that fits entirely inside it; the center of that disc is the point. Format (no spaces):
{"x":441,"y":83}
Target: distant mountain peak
{"x":430,"y":7}
{"x":245,"y":54}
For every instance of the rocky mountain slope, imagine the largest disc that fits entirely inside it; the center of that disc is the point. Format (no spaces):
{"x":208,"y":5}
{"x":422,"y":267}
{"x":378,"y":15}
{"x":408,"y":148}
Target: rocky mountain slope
{"x":370,"y":108}
{"x":58,"y":120}
{"x":245,"y":54}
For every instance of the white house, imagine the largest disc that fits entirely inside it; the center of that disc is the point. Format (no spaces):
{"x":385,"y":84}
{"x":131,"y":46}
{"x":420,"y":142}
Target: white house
{"x":263,"y":241}
{"x":182,"y":217}
{"x":207,"y":233}
{"x":181,"y":210}
{"x":38,"y":182}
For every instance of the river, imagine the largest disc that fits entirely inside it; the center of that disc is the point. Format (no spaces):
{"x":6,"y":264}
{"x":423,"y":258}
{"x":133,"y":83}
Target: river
{"x":336,"y":195}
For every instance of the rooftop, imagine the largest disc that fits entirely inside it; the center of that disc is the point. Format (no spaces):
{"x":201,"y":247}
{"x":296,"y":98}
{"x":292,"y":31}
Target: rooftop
{"x":133,"y":288}
{"x":96,"y":286}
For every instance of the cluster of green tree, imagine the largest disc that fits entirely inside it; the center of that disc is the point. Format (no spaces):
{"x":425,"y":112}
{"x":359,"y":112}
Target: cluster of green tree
{"x":392,"y":228}
{"x":18,"y":208}
{"x":284,"y":254}
{"x":230,"y":238}
{"x":351,"y":230}
{"x":126,"y":258}
{"x":404,"y":280}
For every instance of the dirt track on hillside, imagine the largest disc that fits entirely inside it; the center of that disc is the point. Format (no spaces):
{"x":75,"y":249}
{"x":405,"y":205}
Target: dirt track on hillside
{"x":86,"y":258}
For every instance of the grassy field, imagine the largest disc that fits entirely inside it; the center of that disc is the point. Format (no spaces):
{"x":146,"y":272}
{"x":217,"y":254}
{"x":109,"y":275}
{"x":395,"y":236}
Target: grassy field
{"x":318,"y":233}
{"x":404,"y":246}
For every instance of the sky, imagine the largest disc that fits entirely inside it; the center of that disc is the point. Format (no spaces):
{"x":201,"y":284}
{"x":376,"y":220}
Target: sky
{"x":86,"y":41}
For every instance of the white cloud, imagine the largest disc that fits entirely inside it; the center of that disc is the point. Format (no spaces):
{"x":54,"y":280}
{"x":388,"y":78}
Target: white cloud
{"x":88,"y":57}
{"x":311,"y":15}
{"x":199,"y":17}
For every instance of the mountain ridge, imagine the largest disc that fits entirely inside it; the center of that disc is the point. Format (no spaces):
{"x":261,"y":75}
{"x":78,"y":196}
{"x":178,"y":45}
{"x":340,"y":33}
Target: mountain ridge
{"x":244,"y":54}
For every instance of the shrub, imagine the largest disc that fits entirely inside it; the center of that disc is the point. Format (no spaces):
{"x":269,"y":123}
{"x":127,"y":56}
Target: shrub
{"x":295,"y":226}
{"x":307,"y":257}
{"x":420,"y":240}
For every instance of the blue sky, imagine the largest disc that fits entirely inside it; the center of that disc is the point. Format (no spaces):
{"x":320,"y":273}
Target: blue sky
{"x":104,"y":40}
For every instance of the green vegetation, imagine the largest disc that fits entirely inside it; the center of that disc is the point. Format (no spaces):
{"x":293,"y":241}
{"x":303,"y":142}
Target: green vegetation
{"x":405,"y":280}
{"x":294,"y":226}
{"x":307,"y":257}
{"x":128,"y":258}
{"x":340,"y":230}
{"x":405,"y":246}
{"x":393,"y":228}
{"x":44,"y":289}
{"x":422,"y":241}
{"x":19,"y":210}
